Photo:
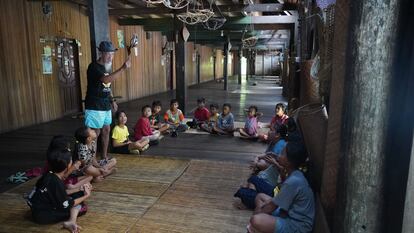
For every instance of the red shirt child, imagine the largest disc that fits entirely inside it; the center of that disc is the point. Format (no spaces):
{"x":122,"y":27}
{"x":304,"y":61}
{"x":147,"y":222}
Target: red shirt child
{"x":278,"y":121}
{"x":142,"y":128}
{"x":202,"y":114}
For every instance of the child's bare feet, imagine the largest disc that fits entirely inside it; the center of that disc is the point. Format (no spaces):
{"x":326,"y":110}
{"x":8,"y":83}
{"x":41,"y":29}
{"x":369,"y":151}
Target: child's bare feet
{"x":72,"y":227}
{"x":98,"y":179}
{"x":239,"y":205}
{"x":244,"y":185}
{"x":108,"y":172}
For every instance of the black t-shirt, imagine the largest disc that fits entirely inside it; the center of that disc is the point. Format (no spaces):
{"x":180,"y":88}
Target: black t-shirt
{"x":97,"y":93}
{"x":50,"y":195}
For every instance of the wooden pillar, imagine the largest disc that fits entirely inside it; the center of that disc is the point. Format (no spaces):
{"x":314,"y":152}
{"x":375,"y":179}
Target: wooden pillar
{"x":239,"y":67}
{"x":181,"y":83}
{"x":226,"y":58}
{"x":294,"y":40}
{"x":400,"y":159}
{"x":214,"y":65}
{"x":370,"y":43}
{"x":98,"y":24}
{"x":247,"y":65}
{"x":198,"y":68}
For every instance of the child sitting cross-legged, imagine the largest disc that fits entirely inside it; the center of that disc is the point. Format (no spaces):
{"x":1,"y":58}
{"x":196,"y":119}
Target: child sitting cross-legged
{"x":85,"y":151}
{"x":292,"y":208}
{"x":143,"y":129}
{"x":175,"y":118}
{"x":49,"y":201}
{"x":73,"y":181}
{"x":225,"y":122}
{"x":250,"y":127}
{"x":156,"y":121}
{"x":212,"y":120}
{"x":201,"y":114}
{"x":120,"y":138}
{"x":279,"y":119}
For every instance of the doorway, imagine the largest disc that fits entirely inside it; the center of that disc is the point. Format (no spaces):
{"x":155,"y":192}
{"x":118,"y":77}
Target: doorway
{"x":68,"y":75}
{"x":243,"y":66}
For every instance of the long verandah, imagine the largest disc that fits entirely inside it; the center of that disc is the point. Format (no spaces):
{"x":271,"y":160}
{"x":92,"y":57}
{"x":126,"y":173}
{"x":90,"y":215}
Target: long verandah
{"x":184,"y":184}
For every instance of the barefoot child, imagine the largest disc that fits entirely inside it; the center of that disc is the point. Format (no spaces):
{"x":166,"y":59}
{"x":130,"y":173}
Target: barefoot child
{"x":225,"y":122}
{"x":259,"y":163}
{"x":85,"y":151}
{"x":73,"y":181}
{"x":212,"y":120}
{"x":120,"y":137}
{"x":292,"y":209}
{"x":250,"y":127}
{"x":174,"y":117}
{"x":279,"y":119}
{"x":143,"y":129}
{"x":201,"y":114}
{"x":49,"y":201}
{"x":156,"y":120}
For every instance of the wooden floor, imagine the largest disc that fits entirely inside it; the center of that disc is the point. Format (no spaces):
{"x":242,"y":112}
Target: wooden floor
{"x":184,"y":184}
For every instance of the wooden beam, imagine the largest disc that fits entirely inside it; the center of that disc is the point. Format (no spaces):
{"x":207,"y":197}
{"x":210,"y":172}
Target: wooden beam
{"x":181,"y":83}
{"x":233,"y":35}
{"x":226,"y":58}
{"x":268,"y":19}
{"x":98,"y":24}
{"x":267,"y":7}
{"x":167,"y":27}
{"x":238,"y":23}
{"x":140,"y":3}
{"x":115,"y":4}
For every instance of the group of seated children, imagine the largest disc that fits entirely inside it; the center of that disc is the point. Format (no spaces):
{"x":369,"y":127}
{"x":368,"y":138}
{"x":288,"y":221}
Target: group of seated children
{"x":60,"y":193}
{"x":148,"y":129}
{"x":277,"y":190}
{"x":223,"y":123}
{"x":212,"y":121}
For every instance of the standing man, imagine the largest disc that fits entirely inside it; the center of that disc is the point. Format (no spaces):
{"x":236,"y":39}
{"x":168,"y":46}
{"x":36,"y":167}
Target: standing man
{"x":98,"y":99}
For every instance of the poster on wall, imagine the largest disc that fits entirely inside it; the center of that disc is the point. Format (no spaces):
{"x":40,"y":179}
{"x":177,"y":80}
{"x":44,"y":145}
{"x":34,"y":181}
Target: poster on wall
{"x":47,"y":60}
{"x":121,"y":41}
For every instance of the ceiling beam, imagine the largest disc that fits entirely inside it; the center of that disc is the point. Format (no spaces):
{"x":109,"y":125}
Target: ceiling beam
{"x":233,"y":35}
{"x":268,"y":19}
{"x":265,"y":7}
{"x":115,"y":4}
{"x":237,"y":23}
{"x":167,"y":27}
{"x":140,"y":3}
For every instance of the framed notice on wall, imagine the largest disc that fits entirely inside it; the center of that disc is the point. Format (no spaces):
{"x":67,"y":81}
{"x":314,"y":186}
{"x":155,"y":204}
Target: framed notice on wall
{"x":120,"y":36}
{"x":47,"y":60}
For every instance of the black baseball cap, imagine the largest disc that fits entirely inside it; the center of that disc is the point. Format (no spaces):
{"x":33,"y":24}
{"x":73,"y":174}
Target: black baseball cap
{"x":106,"y":46}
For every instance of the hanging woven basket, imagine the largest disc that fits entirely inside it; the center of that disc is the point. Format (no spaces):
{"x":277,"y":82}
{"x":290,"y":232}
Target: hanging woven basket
{"x":313,"y":122}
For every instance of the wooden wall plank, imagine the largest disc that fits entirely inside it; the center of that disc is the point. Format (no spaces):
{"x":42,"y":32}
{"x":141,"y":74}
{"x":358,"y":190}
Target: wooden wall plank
{"x":30,"y":97}
{"x":219,"y":63}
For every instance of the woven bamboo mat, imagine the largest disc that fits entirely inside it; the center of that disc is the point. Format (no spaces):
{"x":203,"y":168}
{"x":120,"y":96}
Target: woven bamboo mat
{"x":116,"y":203}
{"x":199,"y":201}
{"x":15,"y":217}
{"x":182,"y":196}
